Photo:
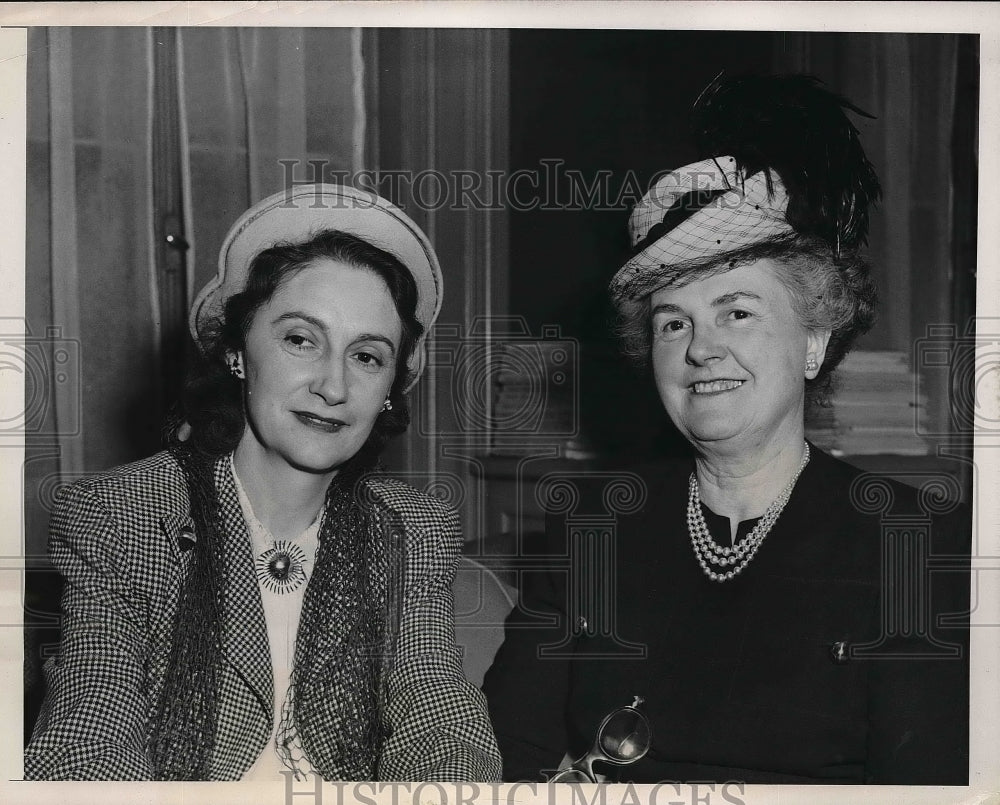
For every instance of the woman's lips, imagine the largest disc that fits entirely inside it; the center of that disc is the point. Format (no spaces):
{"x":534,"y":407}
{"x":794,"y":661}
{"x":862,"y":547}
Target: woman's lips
{"x":715,"y":386}
{"x":320,"y":423}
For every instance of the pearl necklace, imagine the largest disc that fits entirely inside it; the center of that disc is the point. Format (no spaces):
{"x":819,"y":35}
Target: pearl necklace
{"x":715,"y":558}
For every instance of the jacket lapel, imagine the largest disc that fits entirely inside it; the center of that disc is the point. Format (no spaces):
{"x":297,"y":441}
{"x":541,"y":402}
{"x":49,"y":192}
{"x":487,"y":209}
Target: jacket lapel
{"x":245,"y":645}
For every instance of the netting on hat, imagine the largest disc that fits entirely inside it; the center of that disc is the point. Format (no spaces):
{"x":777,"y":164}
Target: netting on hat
{"x":749,"y":212}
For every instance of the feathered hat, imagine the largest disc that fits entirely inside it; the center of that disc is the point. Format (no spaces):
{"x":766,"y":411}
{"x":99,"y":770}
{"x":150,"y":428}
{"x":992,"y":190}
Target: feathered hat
{"x":785,"y":161}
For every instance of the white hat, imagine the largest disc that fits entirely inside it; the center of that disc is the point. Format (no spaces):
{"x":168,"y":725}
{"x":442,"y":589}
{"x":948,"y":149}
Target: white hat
{"x":296,"y":215}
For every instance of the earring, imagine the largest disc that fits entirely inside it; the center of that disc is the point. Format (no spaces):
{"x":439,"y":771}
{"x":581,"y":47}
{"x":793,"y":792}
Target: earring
{"x":811,"y":365}
{"x":235,"y":369}
{"x":387,"y":405}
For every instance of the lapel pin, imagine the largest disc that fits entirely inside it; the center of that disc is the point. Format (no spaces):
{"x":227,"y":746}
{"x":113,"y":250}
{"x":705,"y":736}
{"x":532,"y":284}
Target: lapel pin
{"x":185,"y":539}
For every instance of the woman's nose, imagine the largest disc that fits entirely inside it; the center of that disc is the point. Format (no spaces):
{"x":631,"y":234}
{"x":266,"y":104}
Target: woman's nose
{"x":706,"y":345}
{"x":330,"y":381}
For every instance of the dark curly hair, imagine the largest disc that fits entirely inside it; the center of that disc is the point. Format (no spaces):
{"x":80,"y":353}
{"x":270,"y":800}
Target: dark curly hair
{"x":212,"y":401}
{"x":827,"y":292}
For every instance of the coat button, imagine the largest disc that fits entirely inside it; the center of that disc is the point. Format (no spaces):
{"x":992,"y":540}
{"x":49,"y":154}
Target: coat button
{"x":840,"y":652}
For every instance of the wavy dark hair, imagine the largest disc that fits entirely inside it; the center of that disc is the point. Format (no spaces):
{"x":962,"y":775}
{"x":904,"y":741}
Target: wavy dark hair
{"x":827,"y":292}
{"x":212,"y":401}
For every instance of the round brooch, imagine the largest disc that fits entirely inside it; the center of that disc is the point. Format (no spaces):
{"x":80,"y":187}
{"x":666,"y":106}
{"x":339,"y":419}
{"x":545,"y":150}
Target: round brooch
{"x":280,"y":568}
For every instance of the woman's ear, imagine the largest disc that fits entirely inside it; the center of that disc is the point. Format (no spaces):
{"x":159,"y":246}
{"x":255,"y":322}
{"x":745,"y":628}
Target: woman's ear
{"x":816,"y":342}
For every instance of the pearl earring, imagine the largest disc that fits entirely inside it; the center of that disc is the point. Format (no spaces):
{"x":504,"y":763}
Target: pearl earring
{"x":235,"y":369}
{"x":387,"y":405}
{"x":811,"y":365}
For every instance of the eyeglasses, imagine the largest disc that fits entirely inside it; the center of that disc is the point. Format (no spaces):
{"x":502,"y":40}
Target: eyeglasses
{"x":623,"y":738}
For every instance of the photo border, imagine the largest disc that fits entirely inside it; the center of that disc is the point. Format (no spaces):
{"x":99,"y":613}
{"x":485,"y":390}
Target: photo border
{"x":910,"y":17}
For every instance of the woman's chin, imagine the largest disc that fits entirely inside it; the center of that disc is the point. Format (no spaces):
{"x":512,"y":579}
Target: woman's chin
{"x":715,"y":432}
{"x":314,"y":461}
{"x":319,"y":463}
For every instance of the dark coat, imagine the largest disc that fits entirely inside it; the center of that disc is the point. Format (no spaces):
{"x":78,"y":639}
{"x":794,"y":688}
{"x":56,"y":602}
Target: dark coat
{"x":745,"y":680}
{"x":118,"y":539}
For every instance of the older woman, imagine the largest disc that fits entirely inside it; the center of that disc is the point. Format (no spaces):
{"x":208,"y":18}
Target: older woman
{"x":777,"y":624}
{"x":257,"y":600}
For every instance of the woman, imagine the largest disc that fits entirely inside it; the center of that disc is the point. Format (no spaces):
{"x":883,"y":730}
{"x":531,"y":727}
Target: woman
{"x":257,"y":600}
{"x":772,"y":605}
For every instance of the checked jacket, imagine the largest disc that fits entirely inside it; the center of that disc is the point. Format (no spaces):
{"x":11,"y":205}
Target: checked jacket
{"x":119,"y":539}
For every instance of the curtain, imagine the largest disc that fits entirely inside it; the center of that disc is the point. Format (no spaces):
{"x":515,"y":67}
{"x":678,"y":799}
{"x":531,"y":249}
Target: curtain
{"x":135,"y":134}
{"x":87,"y":278}
{"x":910,"y":83}
{"x":255,"y":108}
{"x":264,"y":105}
{"x":438,"y":103}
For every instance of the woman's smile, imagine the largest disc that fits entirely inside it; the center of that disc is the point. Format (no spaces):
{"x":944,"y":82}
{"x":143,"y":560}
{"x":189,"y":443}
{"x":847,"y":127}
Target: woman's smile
{"x":714,"y":387}
{"x":321,"y":423}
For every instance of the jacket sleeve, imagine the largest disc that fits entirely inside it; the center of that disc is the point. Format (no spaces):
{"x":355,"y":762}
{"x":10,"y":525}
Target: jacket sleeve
{"x":438,"y":725}
{"x":528,"y":694}
{"x":93,"y":720}
{"x":919,"y":705}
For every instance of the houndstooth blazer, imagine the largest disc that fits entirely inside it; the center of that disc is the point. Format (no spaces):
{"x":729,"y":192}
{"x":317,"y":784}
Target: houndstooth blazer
{"x":122,"y":539}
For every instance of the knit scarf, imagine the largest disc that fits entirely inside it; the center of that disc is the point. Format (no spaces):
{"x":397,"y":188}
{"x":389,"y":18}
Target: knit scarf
{"x":346,"y":639}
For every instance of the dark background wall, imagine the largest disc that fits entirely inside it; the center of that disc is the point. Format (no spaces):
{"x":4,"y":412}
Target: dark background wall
{"x":619,"y":101}
{"x":601,"y":101}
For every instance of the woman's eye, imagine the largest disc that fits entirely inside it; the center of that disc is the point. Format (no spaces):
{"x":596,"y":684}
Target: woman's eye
{"x":739,"y":314}
{"x":671,"y":327}
{"x":299,"y":341}
{"x":369,"y":359}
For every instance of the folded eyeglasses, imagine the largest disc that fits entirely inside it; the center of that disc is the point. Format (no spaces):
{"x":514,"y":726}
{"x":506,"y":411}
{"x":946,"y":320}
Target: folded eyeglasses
{"x":623,"y":738}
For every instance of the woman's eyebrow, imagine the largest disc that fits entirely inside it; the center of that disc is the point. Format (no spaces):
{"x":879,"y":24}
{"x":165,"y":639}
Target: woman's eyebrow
{"x":298,"y":314}
{"x":665,"y":307}
{"x":376,"y":337}
{"x":728,"y":298}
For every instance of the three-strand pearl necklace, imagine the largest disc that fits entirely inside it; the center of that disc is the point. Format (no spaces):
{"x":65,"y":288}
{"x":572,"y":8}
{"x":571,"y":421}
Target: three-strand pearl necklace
{"x":721,"y":563}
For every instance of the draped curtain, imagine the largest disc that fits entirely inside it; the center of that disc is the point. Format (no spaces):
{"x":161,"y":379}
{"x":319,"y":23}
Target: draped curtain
{"x":252,"y":108}
{"x":912,"y":84}
{"x":146,"y":144}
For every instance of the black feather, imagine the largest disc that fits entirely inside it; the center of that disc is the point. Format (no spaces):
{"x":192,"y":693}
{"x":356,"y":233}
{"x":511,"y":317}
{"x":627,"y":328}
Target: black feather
{"x":797,"y":128}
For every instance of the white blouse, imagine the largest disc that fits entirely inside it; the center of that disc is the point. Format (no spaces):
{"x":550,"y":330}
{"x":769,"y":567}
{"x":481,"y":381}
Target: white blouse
{"x":282,"y":601}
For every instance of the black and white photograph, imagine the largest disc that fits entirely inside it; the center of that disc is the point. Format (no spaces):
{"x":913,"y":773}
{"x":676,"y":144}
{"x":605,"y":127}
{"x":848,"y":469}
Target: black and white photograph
{"x":545,"y":402}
